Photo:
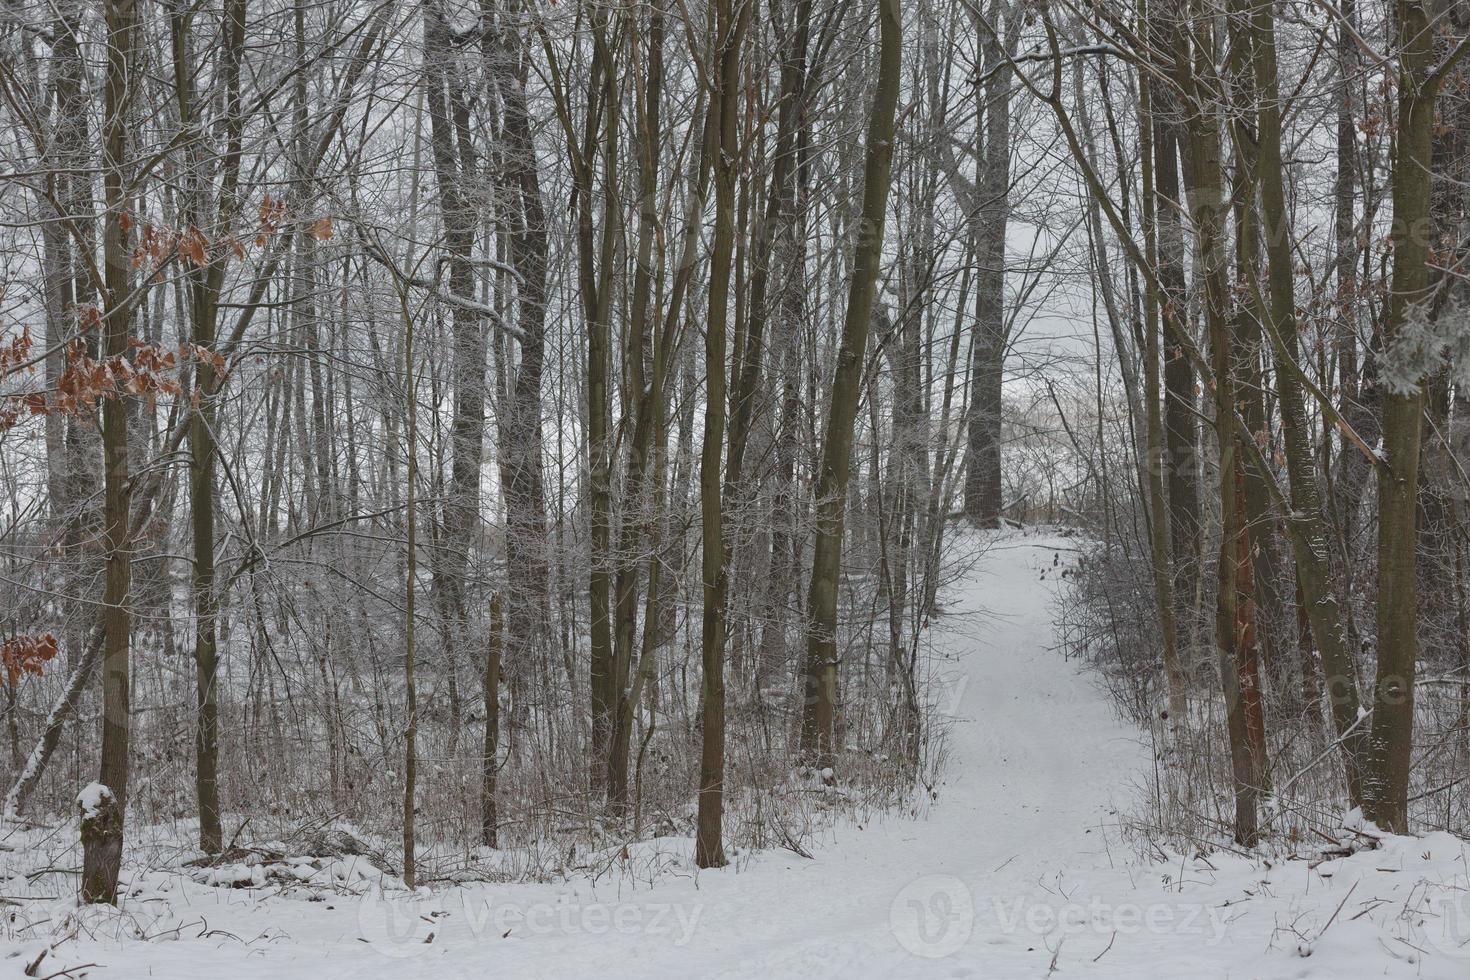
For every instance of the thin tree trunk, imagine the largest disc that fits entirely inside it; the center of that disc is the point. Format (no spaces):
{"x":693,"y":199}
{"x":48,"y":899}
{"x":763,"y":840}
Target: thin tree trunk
{"x":1323,"y":609}
{"x":1159,"y":511}
{"x":594,"y":265}
{"x":820,"y":710}
{"x":1179,"y":381}
{"x":1235,"y":619}
{"x":643,"y":405}
{"x":410,"y":594}
{"x":709,"y":849}
{"x":489,"y":814}
{"x":205,"y":285}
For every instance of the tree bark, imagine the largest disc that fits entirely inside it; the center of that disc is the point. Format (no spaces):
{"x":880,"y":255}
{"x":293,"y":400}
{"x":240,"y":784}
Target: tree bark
{"x":730,"y":24}
{"x":1159,"y":511}
{"x":990,"y":220}
{"x":644,"y":394}
{"x":1322,"y":606}
{"x":1235,"y":632}
{"x":489,"y":814}
{"x":1180,"y":428}
{"x":102,"y":843}
{"x":455,"y":166}
{"x":819,"y":716}
{"x":1390,"y":741}
{"x":205,"y":285}
{"x":522,"y":471}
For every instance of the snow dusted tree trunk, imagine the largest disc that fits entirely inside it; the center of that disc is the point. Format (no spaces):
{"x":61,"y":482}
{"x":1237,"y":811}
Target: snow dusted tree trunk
{"x":205,"y":284}
{"x":1390,"y":742}
{"x":61,"y":711}
{"x":71,"y":457}
{"x":410,"y":594}
{"x":1250,"y":315}
{"x":102,"y":839}
{"x":1235,"y":627}
{"x":1352,"y":470}
{"x":598,"y":141}
{"x":1180,"y":427}
{"x":642,"y":401}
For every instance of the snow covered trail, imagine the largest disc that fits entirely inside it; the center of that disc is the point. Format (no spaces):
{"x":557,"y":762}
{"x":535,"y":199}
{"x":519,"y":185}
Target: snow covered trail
{"x":1016,"y":871}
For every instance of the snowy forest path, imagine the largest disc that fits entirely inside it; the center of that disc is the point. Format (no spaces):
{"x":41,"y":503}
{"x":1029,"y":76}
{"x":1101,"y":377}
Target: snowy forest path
{"x":1013,"y":869}
{"x":968,"y":882}
{"x":1037,"y":757}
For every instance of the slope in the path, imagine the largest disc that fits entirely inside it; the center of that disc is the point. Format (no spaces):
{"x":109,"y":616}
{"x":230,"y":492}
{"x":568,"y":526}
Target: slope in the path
{"x":1037,"y":758}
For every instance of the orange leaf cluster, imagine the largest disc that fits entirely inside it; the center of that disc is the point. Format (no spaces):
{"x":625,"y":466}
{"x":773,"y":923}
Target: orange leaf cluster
{"x":14,"y":354}
{"x":203,"y":355}
{"x":194,"y":247}
{"x":158,"y":243}
{"x":272,"y":211}
{"x":148,"y":374}
{"x":155,"y":243}
{"x":21,"y":655}
{"x":88,"y":316}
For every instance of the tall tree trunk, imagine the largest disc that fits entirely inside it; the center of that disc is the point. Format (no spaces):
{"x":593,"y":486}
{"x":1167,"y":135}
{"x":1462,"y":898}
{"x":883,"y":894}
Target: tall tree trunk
{"x":1250,"y":316}
{"x":594,"y":268}
{"x":818,"y":721}
{"x":522,"y":472}
{"x":205,"y":284}
{"x":455,"y":166}
{"x":1159,"y":511}
{"x":1235,"y":610}
{"x":643,"y":395}
{"x":102,"y":827}
{"x":1180,"y":427}
{"x":72,"y":471}
{"x":730,"y":24}
{"x":1390,"y":742}
{"x":1352,"y":468}
{"x":990,"y":220}
{"x":1323,"y":609}
{"x":410,"y":592}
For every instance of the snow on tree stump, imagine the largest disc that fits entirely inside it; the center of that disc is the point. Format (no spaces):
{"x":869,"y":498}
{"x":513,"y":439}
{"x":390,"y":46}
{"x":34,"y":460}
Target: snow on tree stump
{"x":102,"y":840}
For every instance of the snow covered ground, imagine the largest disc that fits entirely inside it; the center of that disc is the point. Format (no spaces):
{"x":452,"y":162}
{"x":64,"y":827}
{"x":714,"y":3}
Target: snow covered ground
{"x":1018,"y":869}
